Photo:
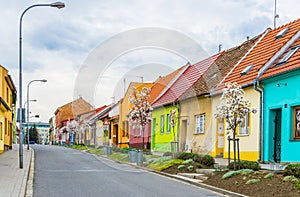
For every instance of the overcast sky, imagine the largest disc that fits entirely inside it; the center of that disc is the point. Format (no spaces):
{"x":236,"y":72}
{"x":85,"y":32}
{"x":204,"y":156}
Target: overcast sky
{"x":94,"y":48}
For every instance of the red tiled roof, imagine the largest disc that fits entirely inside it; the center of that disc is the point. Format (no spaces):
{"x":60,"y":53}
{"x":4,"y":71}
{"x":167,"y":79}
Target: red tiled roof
{"x":216,"y":72}
{"x":161,"y":83}
{"x":292,"y":63}
{"x":261,"y":54}
{"x":190,"y":75}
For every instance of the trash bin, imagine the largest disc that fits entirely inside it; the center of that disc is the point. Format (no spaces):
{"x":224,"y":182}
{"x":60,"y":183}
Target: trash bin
{"x":104,"y":150}
{"x":108,"y":150}
{"x":132,"y":155}
{"x":140,"y":157}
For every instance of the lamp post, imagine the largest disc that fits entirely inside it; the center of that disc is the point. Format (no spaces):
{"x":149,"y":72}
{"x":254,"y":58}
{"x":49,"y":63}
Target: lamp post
{"x":57,"y":5}
{"x":27,"y":101}
{"x":35,"y":80}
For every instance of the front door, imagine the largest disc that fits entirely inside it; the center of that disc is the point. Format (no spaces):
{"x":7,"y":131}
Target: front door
{"x":220,"y":138}
{"x":275,"y":135}
{"x":184,"y":146}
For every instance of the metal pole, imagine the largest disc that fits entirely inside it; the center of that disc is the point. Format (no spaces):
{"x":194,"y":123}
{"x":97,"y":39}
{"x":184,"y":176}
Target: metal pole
{"x":57,"y":5}
{"x":28,"y":85}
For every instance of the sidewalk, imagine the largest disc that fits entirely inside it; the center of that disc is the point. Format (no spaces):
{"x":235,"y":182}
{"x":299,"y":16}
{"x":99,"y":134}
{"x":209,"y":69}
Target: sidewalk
{"x":13,"y":179}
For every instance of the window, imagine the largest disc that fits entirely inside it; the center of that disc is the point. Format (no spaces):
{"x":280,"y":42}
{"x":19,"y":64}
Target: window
{"x":154,"y":125}
{"x":244,"y":126}
{"x":1,"y":129}
{"x":297,"y":122}
{"x":137,"y":131}
{"x":200,"y":124}
{"x":288,"y":55}
{"x":5,"y":126}
{"x":168,"y":123}
{"x":125,"y":129}
{"x":162,"y":124}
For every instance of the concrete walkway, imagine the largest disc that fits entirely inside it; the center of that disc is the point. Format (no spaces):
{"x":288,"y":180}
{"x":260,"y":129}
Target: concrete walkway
{"x":13,"y":180}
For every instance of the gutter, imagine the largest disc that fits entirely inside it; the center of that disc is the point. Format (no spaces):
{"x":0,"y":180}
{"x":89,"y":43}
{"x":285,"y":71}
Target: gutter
{"x":259,"y":88}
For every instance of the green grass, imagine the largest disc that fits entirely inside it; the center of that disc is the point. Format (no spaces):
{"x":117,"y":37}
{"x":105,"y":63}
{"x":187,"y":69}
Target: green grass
{"x":160,"y":165}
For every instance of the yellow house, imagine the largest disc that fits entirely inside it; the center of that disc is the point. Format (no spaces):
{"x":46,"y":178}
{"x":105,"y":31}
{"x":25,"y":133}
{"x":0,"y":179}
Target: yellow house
{"x":248,"y":135}
{"x":197,"y":123}
{"x":245,"y":73}
{"x":124,"y":106}
{"x":7,"y":103}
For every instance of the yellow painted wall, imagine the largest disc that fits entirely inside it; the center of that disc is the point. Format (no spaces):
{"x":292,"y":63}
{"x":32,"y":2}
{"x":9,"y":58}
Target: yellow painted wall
{"x":197,"y":143}
{"x":124,"y":107}
{"x":249,"y":144}
{"x":5,"y":114}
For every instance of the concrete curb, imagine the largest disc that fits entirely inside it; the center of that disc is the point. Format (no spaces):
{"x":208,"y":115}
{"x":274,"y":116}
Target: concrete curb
{"x":29,"y":185}
{"x":184,"y":179}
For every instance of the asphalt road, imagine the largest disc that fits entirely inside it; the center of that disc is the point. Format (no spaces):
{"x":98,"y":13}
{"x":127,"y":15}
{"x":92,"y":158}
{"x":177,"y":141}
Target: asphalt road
{"x":67,"y":172}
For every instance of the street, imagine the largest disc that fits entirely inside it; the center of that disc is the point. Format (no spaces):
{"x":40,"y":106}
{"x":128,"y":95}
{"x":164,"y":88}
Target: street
{"x":63,"y":171}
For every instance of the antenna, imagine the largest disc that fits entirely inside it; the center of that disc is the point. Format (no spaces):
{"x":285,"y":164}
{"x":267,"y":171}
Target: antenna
{"x":124,"y":83}
{"x":142,"y":78}
{"x":113,"y":99}
{"x":275,"y":14}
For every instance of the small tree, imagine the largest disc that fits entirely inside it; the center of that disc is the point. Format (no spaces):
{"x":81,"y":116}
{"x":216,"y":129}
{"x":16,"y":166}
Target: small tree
{"x":139,"y":114}
{"x":172,"y":122}
{"x":234,"y":109}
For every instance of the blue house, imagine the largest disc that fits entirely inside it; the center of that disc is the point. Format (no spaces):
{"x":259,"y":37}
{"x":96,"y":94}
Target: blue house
{"x":280,"y":84}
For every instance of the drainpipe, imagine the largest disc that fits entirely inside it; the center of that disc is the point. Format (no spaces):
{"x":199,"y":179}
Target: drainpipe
{"x":259,"y":89}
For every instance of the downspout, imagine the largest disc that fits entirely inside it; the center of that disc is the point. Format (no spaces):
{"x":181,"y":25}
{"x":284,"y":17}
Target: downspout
{"x":259,"y":89}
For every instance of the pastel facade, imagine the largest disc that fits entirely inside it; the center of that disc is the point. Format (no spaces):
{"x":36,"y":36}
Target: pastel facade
{"x":281,"y":101}
{"x":7,"y":103}
{"x":162,"y":132}
{"x":126,"y":136}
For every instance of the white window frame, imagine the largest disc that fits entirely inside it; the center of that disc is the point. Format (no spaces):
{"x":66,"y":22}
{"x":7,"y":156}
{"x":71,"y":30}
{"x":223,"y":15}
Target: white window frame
{"x":162,"y":124}
{"x":244,"y":127}
{"x":168,"y":123}
{"x":200,"y":124}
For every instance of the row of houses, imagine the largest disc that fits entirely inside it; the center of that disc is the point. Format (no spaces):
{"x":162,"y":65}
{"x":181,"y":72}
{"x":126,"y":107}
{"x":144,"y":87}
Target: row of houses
{"x":267,"y":67}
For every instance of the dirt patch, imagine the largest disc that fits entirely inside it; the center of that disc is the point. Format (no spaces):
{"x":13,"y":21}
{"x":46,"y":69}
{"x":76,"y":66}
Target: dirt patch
{"x":174,"y":169}
{"x":274,"y":186}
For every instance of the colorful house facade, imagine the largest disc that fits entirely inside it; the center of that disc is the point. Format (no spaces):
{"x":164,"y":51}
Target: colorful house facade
{"x":170,"y":100}
{"x":127,"y":135}
{"x":67,"y":113}
{"x":281,"y":100}
{"x":196,"y":115}
{"x":7,"y":103}
{"x":270,"y":45}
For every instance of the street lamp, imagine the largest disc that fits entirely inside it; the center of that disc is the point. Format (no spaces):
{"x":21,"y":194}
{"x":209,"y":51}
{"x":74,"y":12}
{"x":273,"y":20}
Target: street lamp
{"x":35,"y":80}
{"x":57,"y":5}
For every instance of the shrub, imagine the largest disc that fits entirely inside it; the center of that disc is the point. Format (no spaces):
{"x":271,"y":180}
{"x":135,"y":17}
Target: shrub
{"x":232,"y":173}
{"x":252,"y":181}
{"x":115,"y":149}
{"x":190,"y":168}
{"x":180,"y":167}
{"x":167,"y":154}
{"x":188,"y":161}
{"x":204,"y":159}
{"x":186,"y":156}
{"x":292,"y":179}
{"x":268,"y":176}
{"x":292,"y":170}
{"x":246,"y":165}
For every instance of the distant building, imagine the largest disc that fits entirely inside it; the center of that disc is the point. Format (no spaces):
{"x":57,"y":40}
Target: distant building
{"x":67,"y":113}
{"x":42,"y":130}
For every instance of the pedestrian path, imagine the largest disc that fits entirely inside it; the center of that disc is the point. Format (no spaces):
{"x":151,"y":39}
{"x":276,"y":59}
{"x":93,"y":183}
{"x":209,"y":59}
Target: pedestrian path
{"x":12,"y":178}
